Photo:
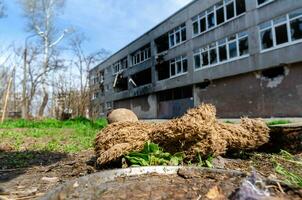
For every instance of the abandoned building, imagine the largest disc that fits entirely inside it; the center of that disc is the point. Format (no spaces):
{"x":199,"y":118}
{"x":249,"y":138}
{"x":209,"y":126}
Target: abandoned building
{"x":243,"y":56}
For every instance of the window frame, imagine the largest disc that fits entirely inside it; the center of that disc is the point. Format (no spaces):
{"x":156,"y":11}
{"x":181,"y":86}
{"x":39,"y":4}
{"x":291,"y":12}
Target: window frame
{"x":175,"y":62}
{"x":205,"y":50}
{"x":146,"y":52}
{"x":214,"y":9}
{"x":272,"y":24}
{"x":264,"y":4}
{"x":178,"y":30}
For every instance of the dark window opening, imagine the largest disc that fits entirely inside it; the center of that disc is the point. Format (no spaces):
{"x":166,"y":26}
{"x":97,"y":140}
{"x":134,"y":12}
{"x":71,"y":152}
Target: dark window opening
{"x":162,"y":43}
{"x":205,"y":58}
{"x":243,"y":46}
{"x":203,"y":85}
{"x":267,"y":39}
{"x":121,"y":84}
{"x":240,"y":6}
{"x":175,"y":94}
{"x":142,"y":78}
{"x":203,"y":25}
{"x":213,"y":56}
{"x":296,"y":29}
{"x":281,"y":34}
{"x":178,"y":64}
{"x":220,"y":15}
{"x":163,"y":70}
{"x":230,"y":10}
{"x":185,"y":65}
{"x":183,"y":35}
{"x":173,"y":72}
{"x":197,"y":63}
{"x":195,"y":27}
{"x":222,"y":53}
{"x":211,"y":20}
{"x":273,"y":72}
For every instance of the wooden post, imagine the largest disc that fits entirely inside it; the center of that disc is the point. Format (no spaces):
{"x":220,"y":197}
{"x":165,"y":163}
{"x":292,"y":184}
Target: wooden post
{"x":7,"y":96}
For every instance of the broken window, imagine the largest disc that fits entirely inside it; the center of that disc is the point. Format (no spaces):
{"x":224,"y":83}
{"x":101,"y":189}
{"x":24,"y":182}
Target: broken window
{"x":211,"y":19}
{"x":120,"y":83}
{"x":240,"y":7}
{"x":227,"y":48}
{"x":296,"y":29}
{"x":163,"y":70}
{"x":142,"y":78}
{"x":222,"y":12}
{"x":162,"y":43}
{"x":213,"y":55}
{"x":296,"y":25}
{"x":177,"y":35}
{"x":282,"y":30}
{"x":243,"y":44}
{"x":178,"y":66}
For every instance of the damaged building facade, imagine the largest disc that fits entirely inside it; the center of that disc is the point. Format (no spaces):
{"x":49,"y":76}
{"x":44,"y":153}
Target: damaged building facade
{"x":243,"y":56}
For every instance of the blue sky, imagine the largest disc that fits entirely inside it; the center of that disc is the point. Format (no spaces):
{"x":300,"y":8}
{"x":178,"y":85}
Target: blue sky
{"x":109,"y":24}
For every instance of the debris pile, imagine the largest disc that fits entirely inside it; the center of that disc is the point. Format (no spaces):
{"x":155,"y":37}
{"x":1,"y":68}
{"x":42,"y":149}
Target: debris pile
{"x":197,"y":132}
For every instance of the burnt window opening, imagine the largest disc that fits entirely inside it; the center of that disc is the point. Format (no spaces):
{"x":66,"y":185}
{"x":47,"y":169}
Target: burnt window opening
{"x":163,"y":70}
{"x":281,"y":34}
{"x":142,"y":78}
{"x":175,"y":94}
{"x":296,"y":29}
{"x":121,"y":84}
{"x":162,"y":43}
{"x":273,"y":72}
{"x":203,"y":85}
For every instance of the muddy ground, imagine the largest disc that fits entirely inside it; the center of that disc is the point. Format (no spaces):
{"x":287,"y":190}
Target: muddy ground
{"x":43,"y":171}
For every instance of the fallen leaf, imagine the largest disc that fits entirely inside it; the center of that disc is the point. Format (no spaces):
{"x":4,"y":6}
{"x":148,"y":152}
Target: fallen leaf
{"x":215,"y":193}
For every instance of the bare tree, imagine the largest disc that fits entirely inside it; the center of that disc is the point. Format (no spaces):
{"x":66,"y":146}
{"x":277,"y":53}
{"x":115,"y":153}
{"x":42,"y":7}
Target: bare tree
{"x":2,"y":8}
{"x":42,"y":17}
{"x":83,"y":62}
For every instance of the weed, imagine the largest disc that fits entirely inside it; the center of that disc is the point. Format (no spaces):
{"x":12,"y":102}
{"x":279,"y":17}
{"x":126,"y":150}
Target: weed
{"x":152,"y":154}
{"x":288,"y":159}
{"x":205,"y":163}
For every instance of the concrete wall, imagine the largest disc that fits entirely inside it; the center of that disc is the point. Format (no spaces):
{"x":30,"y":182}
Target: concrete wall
{"x":145,"y":107}
{"x":253,"y":95}
{"x":232,"y":72}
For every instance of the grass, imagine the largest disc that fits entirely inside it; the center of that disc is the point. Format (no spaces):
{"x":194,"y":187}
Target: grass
{"x":52,"y":135}
{"x":278,"y":122}
{"x":290,"y":174}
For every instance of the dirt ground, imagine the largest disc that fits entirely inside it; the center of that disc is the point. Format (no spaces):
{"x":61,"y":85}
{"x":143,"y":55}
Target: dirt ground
{"x":47,"y":170}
